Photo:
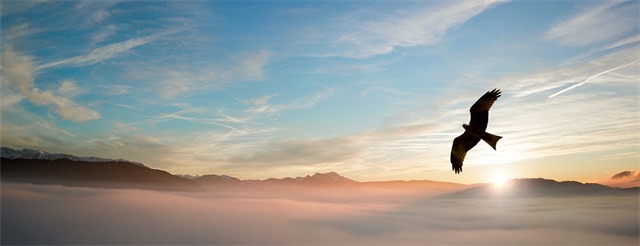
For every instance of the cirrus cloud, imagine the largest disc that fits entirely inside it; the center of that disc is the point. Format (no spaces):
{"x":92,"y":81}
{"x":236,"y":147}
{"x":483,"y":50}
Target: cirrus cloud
{"x":597,"y":22}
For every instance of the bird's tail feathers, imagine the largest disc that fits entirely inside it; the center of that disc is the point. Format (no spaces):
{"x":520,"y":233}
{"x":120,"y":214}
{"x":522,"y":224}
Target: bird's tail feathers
{"x":491,"y":139}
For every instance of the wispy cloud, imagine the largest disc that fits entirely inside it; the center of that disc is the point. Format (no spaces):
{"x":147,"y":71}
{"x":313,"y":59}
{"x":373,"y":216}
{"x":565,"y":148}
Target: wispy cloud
{"x":251,"y":66}
{"x":94,"y":12}
{"x":406,"y":28}
{"x":49,"y":126}
{"x":114,"y":89}
{"x":103,"y":34}
{"x":13,"y":7}
{"x":106,"y":52}
{"x":535,"y":127}
{"x":261,"y":104}
{"x":16,"y":32}
{"x":624,"y":42}
{"x":180,"y":79}
{"x":197,"y":115}
{"x":18,"y":76}
{"x":596,"y":22}
{"x":123,"y":127}
{"x":69,"y":88}
{"x":555,"y":77}
{"x":592,"y":77}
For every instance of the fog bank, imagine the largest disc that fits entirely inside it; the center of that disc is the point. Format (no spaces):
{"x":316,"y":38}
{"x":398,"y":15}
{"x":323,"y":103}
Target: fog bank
{"x":42,"y":214}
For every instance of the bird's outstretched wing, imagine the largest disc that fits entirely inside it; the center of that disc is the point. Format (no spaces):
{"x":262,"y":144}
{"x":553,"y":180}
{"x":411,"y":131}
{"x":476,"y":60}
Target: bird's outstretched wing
{"x":461,"y":145}
{"x":480,"y":110}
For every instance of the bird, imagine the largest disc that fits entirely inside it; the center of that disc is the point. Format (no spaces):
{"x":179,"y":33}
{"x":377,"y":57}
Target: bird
{"x":475,"y":130}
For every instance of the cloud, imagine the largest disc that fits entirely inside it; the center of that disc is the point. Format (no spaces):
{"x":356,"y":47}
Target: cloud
{"x":624,"y":42}
{"x":106,"y":52}
{"x":16,"y":32}
{"x":13,"y":7}
{"x":41,"y":214}
{"x":18,"y":78}
{"x":401,"y":149}
{"x":605,"y":126}
{"x":103,"y":34}
{"x":153,"y":151}
{"x":624,"y":179}
{"x":122,"y":127}
{"x":503,"y":220}
{"x":189,"y":113}
{"x":180,"y":79}
{"x":413,"y":27}
{"x":261,"y":104}
{"x":251,"y":66}
{"x":595,"y":23}
{"x":69,"y":88}
{"x":94,"y":12}
{"x":592,"y":77}
{"x":114,"y":89}
{"x":624,"y":174}
{"x":602,"y":123}
{"x":530,"y":84}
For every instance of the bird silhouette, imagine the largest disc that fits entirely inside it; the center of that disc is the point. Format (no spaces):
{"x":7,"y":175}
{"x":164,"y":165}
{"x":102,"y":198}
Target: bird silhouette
{"x":475,"y":130}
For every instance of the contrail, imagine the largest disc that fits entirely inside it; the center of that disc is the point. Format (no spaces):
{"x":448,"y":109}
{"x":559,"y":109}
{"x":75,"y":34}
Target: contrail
{"x":587,"y":80}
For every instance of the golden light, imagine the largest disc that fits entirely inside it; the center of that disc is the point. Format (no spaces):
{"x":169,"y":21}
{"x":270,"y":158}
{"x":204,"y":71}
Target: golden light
{"x":500,"y":177}
{"x":499,"y":180}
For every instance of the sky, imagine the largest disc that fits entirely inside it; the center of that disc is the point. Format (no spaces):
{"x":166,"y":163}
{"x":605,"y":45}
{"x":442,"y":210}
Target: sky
{"x":373,"y":90}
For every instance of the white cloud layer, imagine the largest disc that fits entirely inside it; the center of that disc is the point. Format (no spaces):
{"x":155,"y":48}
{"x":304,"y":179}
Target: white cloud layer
{"x":37,"y":214}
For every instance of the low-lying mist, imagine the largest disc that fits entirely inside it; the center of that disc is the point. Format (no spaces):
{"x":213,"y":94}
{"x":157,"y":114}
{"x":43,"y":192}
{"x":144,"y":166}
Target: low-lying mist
{"x":46,"y":214}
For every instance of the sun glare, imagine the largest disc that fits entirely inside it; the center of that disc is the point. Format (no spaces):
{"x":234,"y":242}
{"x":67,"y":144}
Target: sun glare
{"x":499,"y":179}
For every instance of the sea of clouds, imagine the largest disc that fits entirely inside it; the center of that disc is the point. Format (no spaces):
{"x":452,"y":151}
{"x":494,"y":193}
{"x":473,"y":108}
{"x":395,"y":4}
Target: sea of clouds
{"x":47,"y":214}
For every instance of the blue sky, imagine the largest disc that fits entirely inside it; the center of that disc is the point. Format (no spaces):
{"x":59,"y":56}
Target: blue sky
{"x":374,"y":90}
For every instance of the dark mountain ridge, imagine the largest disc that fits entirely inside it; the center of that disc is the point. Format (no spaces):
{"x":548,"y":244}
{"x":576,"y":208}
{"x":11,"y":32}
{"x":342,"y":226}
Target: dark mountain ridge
{"x":114,"y":174}
{"x":539,"y":187}
{"x":33,"y":154}
{"x":40,"y":167}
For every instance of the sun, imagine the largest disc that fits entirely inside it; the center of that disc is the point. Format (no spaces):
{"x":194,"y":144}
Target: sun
{"x":499,"y":179}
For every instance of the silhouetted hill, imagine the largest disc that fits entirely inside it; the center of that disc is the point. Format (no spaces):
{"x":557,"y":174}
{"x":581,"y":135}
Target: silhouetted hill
{"x":113,"y":174}
{"x":217,"y":180}
{"x":324,"y":181}
{"x":414,"y":184}
{"x":541,"y":188}
{"x":33,"y":154}
{"x":213,"y":181}
{"x":331,"y":178}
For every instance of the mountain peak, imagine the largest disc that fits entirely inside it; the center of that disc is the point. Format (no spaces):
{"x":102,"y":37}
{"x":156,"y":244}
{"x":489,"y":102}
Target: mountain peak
{"x":217,"y":178}
{"x":328,"y":178}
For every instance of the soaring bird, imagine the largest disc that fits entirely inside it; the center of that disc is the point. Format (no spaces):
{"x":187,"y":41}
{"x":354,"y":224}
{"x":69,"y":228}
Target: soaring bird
{"x":475,"y":130}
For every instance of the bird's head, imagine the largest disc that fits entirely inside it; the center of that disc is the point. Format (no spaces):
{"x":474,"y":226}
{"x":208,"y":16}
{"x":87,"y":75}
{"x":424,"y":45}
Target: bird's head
{"x":465,"y":126}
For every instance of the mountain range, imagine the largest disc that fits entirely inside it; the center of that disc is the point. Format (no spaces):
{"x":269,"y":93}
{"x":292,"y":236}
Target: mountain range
{"x":33,"y":154}
{"x":539,"y":187}
{"x":40,"y":167}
